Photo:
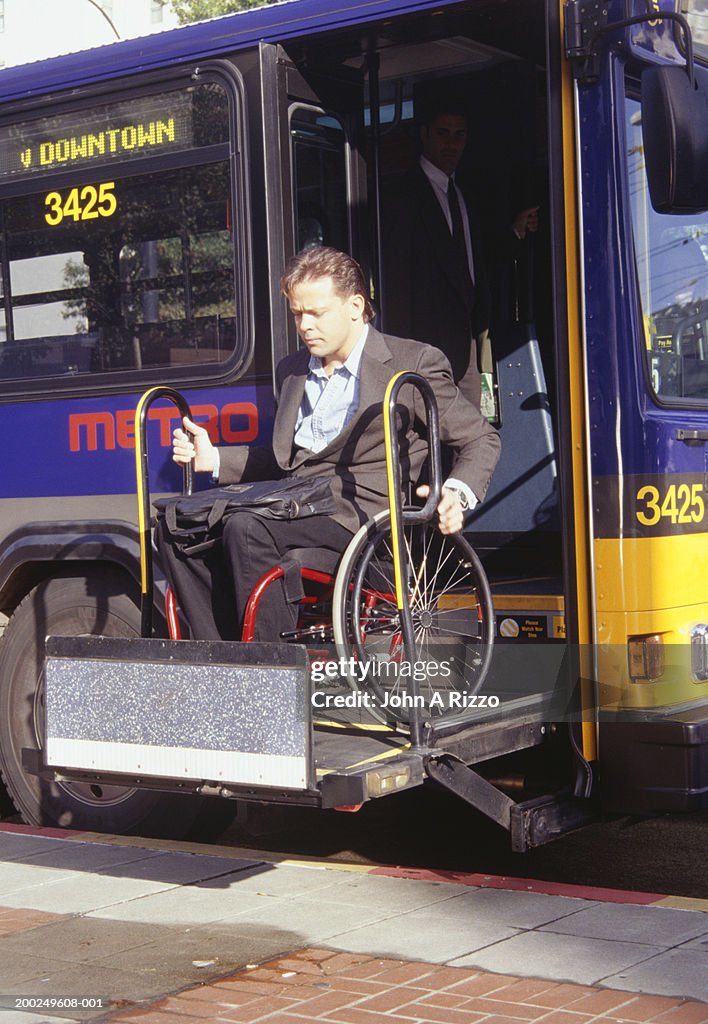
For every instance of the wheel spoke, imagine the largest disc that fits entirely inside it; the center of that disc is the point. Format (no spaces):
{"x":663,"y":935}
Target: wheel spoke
{"x":439,"y":568}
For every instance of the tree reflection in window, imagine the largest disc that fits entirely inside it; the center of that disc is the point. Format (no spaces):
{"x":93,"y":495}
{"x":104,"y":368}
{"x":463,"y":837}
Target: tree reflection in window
{"x":151,"y":285}
{"x":671,"y":254}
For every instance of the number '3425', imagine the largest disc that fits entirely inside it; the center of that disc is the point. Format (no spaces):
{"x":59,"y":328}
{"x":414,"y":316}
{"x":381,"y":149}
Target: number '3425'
{"x":682,"y":503}
{"x":87,"y":203}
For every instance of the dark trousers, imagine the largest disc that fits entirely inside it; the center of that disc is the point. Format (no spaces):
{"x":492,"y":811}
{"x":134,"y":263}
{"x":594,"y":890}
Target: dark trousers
{"x":213,"y":589}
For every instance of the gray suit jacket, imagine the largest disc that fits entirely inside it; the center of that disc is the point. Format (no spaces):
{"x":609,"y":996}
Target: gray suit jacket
{"x":356,"y":460}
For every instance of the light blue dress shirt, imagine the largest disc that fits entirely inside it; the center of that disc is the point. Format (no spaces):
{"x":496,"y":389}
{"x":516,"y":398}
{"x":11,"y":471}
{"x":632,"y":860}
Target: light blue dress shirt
{"x":329,"y":402}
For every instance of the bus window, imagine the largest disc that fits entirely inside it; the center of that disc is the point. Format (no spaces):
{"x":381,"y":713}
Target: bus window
{"x":320,"y":184}
{"x":672,"y":266}
{"x":117,"y":238}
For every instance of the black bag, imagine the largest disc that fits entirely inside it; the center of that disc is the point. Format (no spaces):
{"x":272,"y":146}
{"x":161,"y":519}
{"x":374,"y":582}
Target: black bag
{"x":194,"y":521}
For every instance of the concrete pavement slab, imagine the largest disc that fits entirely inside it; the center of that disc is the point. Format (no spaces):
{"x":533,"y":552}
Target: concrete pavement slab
{"x":184,"y":905}
{"x":163,"y":960}
{"x":421,"y":935}
{"x":18,"y":969}
{"x":16,"y":847}
{"x":89,"y":856}
{"x":179,"y":868}
{"x":657,"y":926}
{"x":310,"y":920}
{"x":16,"y":877}
{"x":64,"y":979}
{"x":285,"y":879}
{"x":520,"y":909}
{"x":402,"y":893}
{"x":178,"y":952}
{"x":675,"y":972}
{"x":82,"y":940}
{"x":573,"y":958}
{"x":80,"y":892}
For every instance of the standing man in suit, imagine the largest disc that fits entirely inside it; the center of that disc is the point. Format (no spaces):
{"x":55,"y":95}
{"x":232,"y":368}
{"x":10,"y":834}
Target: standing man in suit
{"x":434,"y":282}
{"x":329,"y":422}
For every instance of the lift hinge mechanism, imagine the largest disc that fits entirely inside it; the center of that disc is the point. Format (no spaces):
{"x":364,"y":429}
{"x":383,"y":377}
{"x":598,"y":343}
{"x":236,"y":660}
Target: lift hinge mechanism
{"x":586,"y":23}
{"x":530,"y":823}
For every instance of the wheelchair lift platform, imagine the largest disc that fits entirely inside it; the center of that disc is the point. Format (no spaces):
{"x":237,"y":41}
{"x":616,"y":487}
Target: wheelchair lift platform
{"x":232,"y":719}
{"x":236,"y":720}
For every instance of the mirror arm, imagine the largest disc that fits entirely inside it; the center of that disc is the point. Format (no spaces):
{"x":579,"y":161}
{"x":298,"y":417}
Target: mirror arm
{"x":584,"y":29}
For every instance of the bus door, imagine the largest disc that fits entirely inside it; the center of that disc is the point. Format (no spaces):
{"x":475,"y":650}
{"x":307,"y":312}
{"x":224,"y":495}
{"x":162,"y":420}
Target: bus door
{"x":646,"y":346}
{"x":319,"y":160}
{"x":499,"y":72}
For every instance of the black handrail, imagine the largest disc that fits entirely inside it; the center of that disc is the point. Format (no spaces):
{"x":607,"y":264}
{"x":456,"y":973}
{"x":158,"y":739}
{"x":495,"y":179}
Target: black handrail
{"x":147,"y":585}
{"x":399,"y":516}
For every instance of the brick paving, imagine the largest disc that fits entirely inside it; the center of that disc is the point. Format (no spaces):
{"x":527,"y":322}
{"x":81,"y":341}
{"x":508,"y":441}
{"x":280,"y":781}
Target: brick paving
{"x":344,"y":988}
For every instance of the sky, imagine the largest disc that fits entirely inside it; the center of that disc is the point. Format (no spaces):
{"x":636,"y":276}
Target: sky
{"x":34,"y":29}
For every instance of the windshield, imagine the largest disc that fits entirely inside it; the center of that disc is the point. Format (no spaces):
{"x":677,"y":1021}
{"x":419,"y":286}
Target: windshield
{"x":697,"y":13}
{"x":671,"y":255}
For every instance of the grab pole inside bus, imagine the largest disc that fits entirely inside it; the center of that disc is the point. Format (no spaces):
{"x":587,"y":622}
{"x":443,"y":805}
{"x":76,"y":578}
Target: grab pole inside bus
{"x":399,"y":516}
{"x":143,"y":494}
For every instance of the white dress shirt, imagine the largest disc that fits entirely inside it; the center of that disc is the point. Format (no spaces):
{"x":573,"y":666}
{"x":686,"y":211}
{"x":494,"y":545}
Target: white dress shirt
{"x":439,"y":181}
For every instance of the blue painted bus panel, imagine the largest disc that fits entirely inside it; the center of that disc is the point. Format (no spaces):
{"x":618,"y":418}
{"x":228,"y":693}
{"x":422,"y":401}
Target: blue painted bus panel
{"x":653,"y":38}
{"x":68,"y":447}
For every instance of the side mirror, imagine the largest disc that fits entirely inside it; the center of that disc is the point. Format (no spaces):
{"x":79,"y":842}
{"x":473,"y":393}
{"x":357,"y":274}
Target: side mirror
{"x":675,"y":132}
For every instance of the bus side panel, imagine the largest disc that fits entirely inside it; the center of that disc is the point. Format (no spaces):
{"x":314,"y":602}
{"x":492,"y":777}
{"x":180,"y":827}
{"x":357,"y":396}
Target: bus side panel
{"x":73,"y":461}
{"x":649,"y":523}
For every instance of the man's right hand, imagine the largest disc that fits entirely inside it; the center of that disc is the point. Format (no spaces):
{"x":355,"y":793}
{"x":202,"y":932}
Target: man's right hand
{"x":197,"y":447}
{"x":525,"y":221}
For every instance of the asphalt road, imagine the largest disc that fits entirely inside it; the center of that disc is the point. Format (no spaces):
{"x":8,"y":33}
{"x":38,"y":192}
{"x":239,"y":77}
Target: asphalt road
{"x":429,"y":828}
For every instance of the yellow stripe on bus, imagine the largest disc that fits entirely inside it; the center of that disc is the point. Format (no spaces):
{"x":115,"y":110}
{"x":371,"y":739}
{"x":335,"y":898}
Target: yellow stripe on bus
{"x":393,"y":498}
{"x":578,"y":450}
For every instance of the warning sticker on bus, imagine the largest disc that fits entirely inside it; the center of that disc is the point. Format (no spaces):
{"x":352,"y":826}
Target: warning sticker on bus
{"x":523,"y":627}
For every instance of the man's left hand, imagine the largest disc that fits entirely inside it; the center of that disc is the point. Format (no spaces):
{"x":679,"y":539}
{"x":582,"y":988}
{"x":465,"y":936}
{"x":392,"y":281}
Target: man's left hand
{"x":450,"y":512}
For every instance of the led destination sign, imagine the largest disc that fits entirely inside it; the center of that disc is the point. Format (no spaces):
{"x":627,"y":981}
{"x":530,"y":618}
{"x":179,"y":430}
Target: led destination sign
{"x":97,"y":144}
{"x":116,"y":131}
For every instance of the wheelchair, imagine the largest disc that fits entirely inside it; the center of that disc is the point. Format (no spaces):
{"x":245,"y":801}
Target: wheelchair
{"x":405,"y":611}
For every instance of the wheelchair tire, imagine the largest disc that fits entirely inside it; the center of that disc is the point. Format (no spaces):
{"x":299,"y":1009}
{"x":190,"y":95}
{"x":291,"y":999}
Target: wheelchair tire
{"x":453,"y":619}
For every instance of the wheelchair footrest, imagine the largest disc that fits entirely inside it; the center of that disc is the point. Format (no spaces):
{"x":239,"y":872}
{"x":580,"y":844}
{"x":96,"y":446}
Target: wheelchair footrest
{"x":227,"y":713}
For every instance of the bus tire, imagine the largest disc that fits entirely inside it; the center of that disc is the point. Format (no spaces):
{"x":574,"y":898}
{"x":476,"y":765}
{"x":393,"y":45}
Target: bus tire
{"x":97,"y":603}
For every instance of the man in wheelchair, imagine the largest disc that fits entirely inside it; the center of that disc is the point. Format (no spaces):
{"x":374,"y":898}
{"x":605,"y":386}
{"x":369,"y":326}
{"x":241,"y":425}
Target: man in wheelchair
{"x":328,"y":423}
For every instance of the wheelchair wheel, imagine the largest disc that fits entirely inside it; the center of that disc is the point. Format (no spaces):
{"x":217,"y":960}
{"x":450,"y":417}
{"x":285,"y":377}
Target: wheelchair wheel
{"x":453,"y":620}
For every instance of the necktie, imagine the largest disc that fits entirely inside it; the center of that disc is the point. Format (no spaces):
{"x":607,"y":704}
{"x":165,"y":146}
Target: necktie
{"x":458,"y":231}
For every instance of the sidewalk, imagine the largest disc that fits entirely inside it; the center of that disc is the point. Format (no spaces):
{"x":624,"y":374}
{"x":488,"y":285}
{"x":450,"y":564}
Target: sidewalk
{"x":169,"y":934}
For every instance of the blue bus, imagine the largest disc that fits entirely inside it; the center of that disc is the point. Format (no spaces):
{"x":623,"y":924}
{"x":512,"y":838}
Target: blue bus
{"x":151,"y":192}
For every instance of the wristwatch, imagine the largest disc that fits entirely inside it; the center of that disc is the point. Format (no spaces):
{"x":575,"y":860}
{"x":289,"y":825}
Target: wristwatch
{"x":463,"y":499}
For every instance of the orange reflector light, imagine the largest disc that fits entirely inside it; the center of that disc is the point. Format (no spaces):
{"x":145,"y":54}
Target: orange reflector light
{"x":646,"y":657}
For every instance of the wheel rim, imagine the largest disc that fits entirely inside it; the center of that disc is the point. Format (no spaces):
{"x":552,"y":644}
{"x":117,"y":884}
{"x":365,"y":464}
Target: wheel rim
{"x":452,"y":620}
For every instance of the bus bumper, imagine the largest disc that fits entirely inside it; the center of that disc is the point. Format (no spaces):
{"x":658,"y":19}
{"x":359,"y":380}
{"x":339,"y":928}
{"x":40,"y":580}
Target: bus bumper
{"x":653,"y":763}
